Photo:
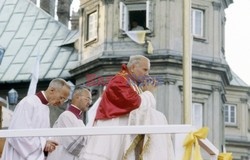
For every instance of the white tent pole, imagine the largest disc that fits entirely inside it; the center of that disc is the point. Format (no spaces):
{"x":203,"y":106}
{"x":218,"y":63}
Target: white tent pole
{"x":187,"y":62}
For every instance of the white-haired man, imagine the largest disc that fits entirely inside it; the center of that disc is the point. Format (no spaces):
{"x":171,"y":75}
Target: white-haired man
{"x":32,"y":112}
{"x":125,"y":103}
{"x":69,"y":147}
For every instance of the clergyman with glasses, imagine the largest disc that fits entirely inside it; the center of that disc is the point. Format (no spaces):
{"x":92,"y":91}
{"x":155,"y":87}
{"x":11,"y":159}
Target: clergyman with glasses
{"x":70,"y":147}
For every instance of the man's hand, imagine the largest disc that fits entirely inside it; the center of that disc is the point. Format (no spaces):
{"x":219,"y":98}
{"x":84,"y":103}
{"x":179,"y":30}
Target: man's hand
{"x":149,"y":85}
{"x":50,"y":146}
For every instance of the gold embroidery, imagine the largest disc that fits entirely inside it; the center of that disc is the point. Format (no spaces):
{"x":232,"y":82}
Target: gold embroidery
{"x":135,"y":87}
{"x":145,"y":147}
{"x":137,"y":139}
{"x":123,"y":73}
{"x":130,"y":82}
{"x":135,"y":142}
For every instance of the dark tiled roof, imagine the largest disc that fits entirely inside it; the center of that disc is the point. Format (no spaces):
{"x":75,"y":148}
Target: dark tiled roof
{"x":25,"y":31}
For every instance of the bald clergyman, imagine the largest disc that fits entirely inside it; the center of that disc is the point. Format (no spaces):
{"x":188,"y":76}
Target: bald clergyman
{"x":32,"y":112}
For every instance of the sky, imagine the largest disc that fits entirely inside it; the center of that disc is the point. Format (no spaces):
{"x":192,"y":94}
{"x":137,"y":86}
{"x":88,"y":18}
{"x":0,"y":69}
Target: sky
{"x":237,"y":42}
{"x":237,"y":37}
{"x":75,"y":5}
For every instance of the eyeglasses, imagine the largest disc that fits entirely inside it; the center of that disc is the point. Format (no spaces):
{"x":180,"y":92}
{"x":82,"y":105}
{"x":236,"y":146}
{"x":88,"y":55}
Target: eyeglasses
{"x":88,"y":99}
{"x":63,"y":99}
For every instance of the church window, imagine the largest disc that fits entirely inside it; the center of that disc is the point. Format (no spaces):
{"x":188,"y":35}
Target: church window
{"x":197,"y":115}
{"x":197,"y":23}
{"x":248,"y":120}
{"x":92,"y":26}
{"x":223,"y":36}
{"x":230,"y":114}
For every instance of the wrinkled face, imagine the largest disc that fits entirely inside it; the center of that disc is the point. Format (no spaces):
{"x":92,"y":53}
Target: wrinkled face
{"x":141,"y":70}
{"x":57,"y":97}
{"x":85,"y":101}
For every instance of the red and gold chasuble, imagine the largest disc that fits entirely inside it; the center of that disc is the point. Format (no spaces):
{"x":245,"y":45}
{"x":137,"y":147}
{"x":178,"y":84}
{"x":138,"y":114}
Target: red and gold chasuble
{"x":120,"y":97}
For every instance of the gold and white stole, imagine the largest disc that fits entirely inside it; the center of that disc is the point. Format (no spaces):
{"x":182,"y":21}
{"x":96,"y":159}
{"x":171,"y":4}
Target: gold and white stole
{"x":134,"y":86}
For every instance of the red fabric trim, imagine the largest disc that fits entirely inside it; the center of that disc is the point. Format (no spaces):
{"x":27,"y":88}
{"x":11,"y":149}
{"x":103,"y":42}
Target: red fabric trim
{"x":42,"y":98}
{"x":76,"y":111}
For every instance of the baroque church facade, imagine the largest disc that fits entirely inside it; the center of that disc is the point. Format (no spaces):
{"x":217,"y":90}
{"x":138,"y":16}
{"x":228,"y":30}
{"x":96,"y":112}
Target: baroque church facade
{"x":219,"y":97}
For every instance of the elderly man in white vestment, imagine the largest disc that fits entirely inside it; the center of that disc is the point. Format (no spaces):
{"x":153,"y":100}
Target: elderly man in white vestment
{"x":70,"y":147}
{"x":32,"y":112}
{"x":124,"y":103}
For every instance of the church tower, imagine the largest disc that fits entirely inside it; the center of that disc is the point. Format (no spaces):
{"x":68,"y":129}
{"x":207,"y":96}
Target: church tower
{"x":62,"y":9}
{"x":107,"y":40}
{"x":48,"y":6}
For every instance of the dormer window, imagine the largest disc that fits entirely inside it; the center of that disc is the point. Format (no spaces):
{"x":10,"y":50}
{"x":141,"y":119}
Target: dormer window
{"x":136,"y":16}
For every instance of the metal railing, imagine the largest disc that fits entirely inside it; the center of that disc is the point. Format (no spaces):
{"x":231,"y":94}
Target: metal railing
{"x":179,"y":131}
